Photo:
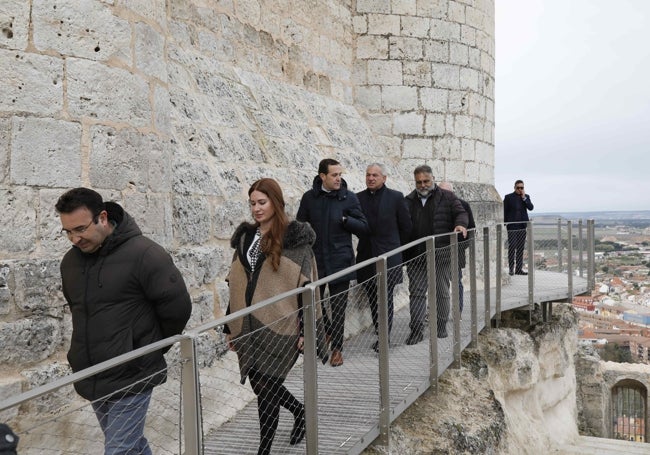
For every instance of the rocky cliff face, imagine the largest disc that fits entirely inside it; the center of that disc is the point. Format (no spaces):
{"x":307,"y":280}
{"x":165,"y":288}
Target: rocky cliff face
{"x":515,"y":393}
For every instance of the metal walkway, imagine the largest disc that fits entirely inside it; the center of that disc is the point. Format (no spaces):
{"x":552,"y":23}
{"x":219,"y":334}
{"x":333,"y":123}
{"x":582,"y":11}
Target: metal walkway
{"x":348,"y":396}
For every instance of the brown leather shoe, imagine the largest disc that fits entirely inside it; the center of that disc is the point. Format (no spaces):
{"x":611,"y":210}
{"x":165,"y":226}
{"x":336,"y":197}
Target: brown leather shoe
{"x":337,"y":358}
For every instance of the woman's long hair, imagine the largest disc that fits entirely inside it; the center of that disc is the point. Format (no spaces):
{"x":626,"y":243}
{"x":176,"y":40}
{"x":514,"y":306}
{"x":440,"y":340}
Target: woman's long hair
{"x":272,"y":240}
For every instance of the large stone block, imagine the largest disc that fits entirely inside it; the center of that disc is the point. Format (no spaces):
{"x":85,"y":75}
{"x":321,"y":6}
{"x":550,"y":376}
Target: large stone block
{"x":5,"y":132}
{"x":45,"y":374}
{"x":10,"y":386}
{"x":151,"y":9}
{"x":120,"y":158}
{"x":192,"y":219}
{"x":203,"y":264}
{"x":374,"y":6}
{"x":31,"y":340}
{"x":153,"y":213}
{"x":150,"y":51}
{"x":399,"y":98}
{"x":14,"y":24}
{"x":31,"y":83}
{"x":86,"y":29}
{"x":384,"y":72}
{"x":108,"y":94}
{"x":17,"y":220}
{"x":45,"y":152}
{"x":37,"y":288}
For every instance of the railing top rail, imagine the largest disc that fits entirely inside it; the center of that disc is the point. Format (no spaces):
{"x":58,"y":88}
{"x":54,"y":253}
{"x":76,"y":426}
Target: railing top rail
{"x":87,"y":372}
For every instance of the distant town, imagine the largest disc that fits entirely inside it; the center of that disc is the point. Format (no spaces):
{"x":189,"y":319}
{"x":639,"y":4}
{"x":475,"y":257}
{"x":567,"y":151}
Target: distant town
{"x":615,"y":318}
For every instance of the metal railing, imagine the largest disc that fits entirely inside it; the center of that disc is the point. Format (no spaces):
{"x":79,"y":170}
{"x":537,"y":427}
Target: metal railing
{"x":204,"y":408}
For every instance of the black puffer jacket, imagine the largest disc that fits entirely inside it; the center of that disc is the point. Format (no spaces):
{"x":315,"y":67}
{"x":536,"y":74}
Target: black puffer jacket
{"x":124,"y":296}
{"x":325,"y":212}
{"x":441,"y":213}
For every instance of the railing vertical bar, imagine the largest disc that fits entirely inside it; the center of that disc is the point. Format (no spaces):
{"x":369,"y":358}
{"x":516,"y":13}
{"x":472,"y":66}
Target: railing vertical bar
{"x":559,"y":245}
{"x":531,"y":270}
{"x":570,"y":261}
{"x":191,"y":398}
{"x":472,"y":290}
{"x":580,"y":249}
{"x":455,"y":299}
{"x":310,"y":371}
{"x":384,"y":366}
{"x":433,"y":313}
{"x":498,"y":275}
{"x":486,"y":275}
{"x":591,"y":259}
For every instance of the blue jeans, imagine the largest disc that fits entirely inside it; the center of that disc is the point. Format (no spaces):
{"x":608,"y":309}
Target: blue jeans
{"x":122,"y":422}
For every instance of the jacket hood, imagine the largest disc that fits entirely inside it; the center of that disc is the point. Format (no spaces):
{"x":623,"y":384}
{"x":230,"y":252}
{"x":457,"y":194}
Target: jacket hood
{"x":125,"y":228}
{"x":341,"y":193}
{"x":298,"y":234}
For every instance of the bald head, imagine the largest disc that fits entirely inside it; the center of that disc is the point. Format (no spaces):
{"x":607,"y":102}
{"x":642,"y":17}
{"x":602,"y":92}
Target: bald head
{"x":446,"y":186}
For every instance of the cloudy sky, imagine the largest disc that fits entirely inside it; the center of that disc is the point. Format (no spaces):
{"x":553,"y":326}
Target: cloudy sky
{"x":573,"y":103}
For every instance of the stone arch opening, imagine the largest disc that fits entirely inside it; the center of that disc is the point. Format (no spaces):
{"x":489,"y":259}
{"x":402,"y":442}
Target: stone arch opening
{"x":629,"y":410}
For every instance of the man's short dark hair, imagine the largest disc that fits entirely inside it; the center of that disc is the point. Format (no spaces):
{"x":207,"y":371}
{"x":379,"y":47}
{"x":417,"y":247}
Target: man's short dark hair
{"x":517,"y":182}
{"x":324,"y":165}
{"x":75,"y":198}
{"x":423,"y":168}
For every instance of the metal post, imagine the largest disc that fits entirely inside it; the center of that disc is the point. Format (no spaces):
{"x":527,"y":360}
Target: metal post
{"x":580,"y":248}
{"x":498,"y":278}
{"x":531,"y":270}
{"x":486,"y":275}
{"x":310,"y":376}
{"x":559,"y":245}
{"x":455,"y":299}
{"x":433,"y":313}
{"x":191,"y":398}
{"x":384,"y":378}
{"x":472,"y":289}
{"x":570,"y":261}
{"x":591,"y":255}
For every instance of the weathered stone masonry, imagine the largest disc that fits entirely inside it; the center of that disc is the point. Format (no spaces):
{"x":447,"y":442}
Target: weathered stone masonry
{"x":173,"y":108}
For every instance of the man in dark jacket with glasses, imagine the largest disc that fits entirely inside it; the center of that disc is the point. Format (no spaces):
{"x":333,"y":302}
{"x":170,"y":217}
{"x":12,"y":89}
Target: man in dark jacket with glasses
{"x":124,"y":293}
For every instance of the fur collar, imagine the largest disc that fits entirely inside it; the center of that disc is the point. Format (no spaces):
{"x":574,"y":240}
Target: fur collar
{"x":298,"y":234}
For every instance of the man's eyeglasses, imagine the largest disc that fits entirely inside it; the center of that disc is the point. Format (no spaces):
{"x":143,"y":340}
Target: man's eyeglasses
{"x":519,"y":187}
{"x":78,"y":230}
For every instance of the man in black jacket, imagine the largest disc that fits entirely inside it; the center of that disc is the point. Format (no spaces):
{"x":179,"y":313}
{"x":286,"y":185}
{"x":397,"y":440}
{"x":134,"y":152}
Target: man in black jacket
{"x":390,"y":227}
{"x":515,"y":215}
{"x":434,"y":211}
{"x":124,"y":293}
{"x":335,"y":214}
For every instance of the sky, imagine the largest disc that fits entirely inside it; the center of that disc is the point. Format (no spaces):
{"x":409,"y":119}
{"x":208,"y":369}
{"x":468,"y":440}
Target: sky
{"x":572,"y":103}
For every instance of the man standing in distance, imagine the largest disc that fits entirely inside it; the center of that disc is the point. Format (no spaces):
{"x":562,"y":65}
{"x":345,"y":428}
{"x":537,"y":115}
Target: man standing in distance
{"x":124,"y":292}
{"x":515,"y":215}
{"x":390,"y":227}
{"x":433,"y":211}
{"x":334,"y":214}
{"x":463,"y":244}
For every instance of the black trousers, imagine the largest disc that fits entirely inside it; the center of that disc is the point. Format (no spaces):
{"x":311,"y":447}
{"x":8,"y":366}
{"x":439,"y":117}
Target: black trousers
{"x":516,"y":245}
{"x":271,"y":394}
{"x":338,"y":300}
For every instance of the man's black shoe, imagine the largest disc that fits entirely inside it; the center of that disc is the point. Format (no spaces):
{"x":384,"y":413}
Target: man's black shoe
{"x":442,"y":333}
{"x":521,"y":273}
{"x":511,"y":273}
{"x":414,"y":337}
{"x":375,"y":346}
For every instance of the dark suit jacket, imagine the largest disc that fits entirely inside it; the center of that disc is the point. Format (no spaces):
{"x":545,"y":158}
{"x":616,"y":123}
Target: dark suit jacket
{"x":516,"y":209}
{"x":390,"y":227}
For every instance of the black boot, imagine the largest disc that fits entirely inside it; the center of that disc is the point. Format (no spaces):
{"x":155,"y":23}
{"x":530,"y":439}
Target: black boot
{"x":415,"y":336}
{"x":298,"y":430}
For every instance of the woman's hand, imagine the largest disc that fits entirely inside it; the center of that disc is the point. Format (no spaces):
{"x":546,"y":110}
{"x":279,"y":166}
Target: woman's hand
{"x":231,"y":345}
{"x":301,"y":343}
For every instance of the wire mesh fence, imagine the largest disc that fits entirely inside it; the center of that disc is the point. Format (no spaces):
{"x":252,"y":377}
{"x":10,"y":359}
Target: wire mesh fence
{"x":60,"y":422}
{"x":266,"y":388}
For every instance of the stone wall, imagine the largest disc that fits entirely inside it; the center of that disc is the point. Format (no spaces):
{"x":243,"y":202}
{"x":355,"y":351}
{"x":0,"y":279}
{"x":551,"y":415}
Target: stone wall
{"x":596,"y":379}
{"x":172,"y":108}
